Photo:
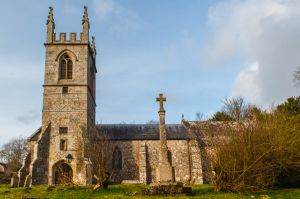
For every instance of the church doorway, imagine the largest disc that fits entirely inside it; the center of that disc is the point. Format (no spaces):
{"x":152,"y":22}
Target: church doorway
{"x":63,"y":173}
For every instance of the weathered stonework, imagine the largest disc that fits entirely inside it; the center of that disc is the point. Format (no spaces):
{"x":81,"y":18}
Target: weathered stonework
{"x":143,"y":167}
{"x":164,"y":168}
{"x":74,"y":109}
{"x":68,"y":119}
{"x":143,"y":163}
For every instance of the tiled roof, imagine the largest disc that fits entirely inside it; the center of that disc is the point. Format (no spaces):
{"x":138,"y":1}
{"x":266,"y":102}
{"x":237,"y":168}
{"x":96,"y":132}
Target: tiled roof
{"x":143,"y":131}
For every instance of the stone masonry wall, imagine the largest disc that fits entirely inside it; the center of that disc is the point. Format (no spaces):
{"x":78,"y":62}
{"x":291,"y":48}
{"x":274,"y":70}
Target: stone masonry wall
{"x":39,"y":166}
{"x":74,"y":109}
{"x":179,"y":157}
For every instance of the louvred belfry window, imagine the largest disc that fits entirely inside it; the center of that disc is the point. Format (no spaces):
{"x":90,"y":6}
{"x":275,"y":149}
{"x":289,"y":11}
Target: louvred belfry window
{"x":66,"y":67}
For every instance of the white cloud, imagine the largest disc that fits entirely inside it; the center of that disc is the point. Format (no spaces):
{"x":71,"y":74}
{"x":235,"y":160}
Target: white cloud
{"x":247,"y":81}
{"x":265,"y":33}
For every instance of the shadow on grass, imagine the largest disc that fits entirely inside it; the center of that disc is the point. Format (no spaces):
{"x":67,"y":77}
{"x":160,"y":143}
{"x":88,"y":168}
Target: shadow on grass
{"x":203,"y":189}
{"x":128,"y":191}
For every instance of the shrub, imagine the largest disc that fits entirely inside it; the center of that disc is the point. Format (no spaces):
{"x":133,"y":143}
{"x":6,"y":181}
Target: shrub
{"x":260,"y":154}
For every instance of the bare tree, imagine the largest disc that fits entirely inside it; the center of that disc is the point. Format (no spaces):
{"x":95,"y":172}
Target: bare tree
{"x":13,"y":153}
{"x":199,"y":116}
{"x":101,"y":154}
{"x":296,"y":75}
{"x":152,"y":122}
{"x":236,"y":108}
{"x":256,"y":154}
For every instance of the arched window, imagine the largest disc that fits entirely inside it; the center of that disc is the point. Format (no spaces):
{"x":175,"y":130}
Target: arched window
{"x":66,"y":67}
{"x":117,"y":159}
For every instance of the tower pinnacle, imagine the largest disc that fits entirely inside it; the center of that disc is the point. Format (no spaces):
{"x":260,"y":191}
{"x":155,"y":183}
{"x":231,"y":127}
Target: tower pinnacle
{"x":85,"y":18}
{"x":50,"y":26}
{"x":85,"y":26}
{"x":94,"y":46}
{"x":50,"y":16}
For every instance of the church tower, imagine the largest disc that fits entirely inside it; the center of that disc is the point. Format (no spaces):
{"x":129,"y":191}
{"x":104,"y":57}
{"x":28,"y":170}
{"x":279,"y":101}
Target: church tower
{"x":68,"y":107}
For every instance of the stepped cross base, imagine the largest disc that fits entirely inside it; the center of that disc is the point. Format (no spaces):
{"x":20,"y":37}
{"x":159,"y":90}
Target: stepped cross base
{"x":164,"y":173}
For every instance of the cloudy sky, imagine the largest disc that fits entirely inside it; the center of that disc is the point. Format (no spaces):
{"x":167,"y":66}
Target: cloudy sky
{"x":196,"y":52}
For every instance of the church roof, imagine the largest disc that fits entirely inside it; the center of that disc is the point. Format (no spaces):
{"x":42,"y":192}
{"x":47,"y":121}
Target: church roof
{"x":143,"y":131}
{"x":35,"y":135}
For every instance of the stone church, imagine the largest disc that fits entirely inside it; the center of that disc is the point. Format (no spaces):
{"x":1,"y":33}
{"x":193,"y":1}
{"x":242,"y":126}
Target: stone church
{"x":143,"y":153}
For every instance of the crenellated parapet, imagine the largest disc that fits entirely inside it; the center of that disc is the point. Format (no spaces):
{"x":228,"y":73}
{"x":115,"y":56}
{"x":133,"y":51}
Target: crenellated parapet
{"x":63,"y":38}
{"x":71,"y":38}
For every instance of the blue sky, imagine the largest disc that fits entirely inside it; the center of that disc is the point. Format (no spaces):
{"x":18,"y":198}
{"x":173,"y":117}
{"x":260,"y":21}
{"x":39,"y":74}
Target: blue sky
{"x":195,"y":52}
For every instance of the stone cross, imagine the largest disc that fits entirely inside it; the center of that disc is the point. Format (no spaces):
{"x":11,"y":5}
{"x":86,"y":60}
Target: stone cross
{"x":164,"y":169}
{"x":161,"y":99}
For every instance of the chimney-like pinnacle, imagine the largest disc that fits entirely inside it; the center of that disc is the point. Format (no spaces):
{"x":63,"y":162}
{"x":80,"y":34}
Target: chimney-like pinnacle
{"x":50,"y":16}
{"x":85,"y":18}
{"x":85,"y":26}
{"x":94,"y":45}
{"x":50,"y":26}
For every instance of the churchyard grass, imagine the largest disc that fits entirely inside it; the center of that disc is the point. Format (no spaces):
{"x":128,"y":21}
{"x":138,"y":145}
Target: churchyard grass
{"x":129,"y":191}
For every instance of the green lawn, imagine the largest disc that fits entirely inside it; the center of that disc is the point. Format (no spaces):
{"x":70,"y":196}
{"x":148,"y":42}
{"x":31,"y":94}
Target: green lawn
{"x":128,"y":191}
